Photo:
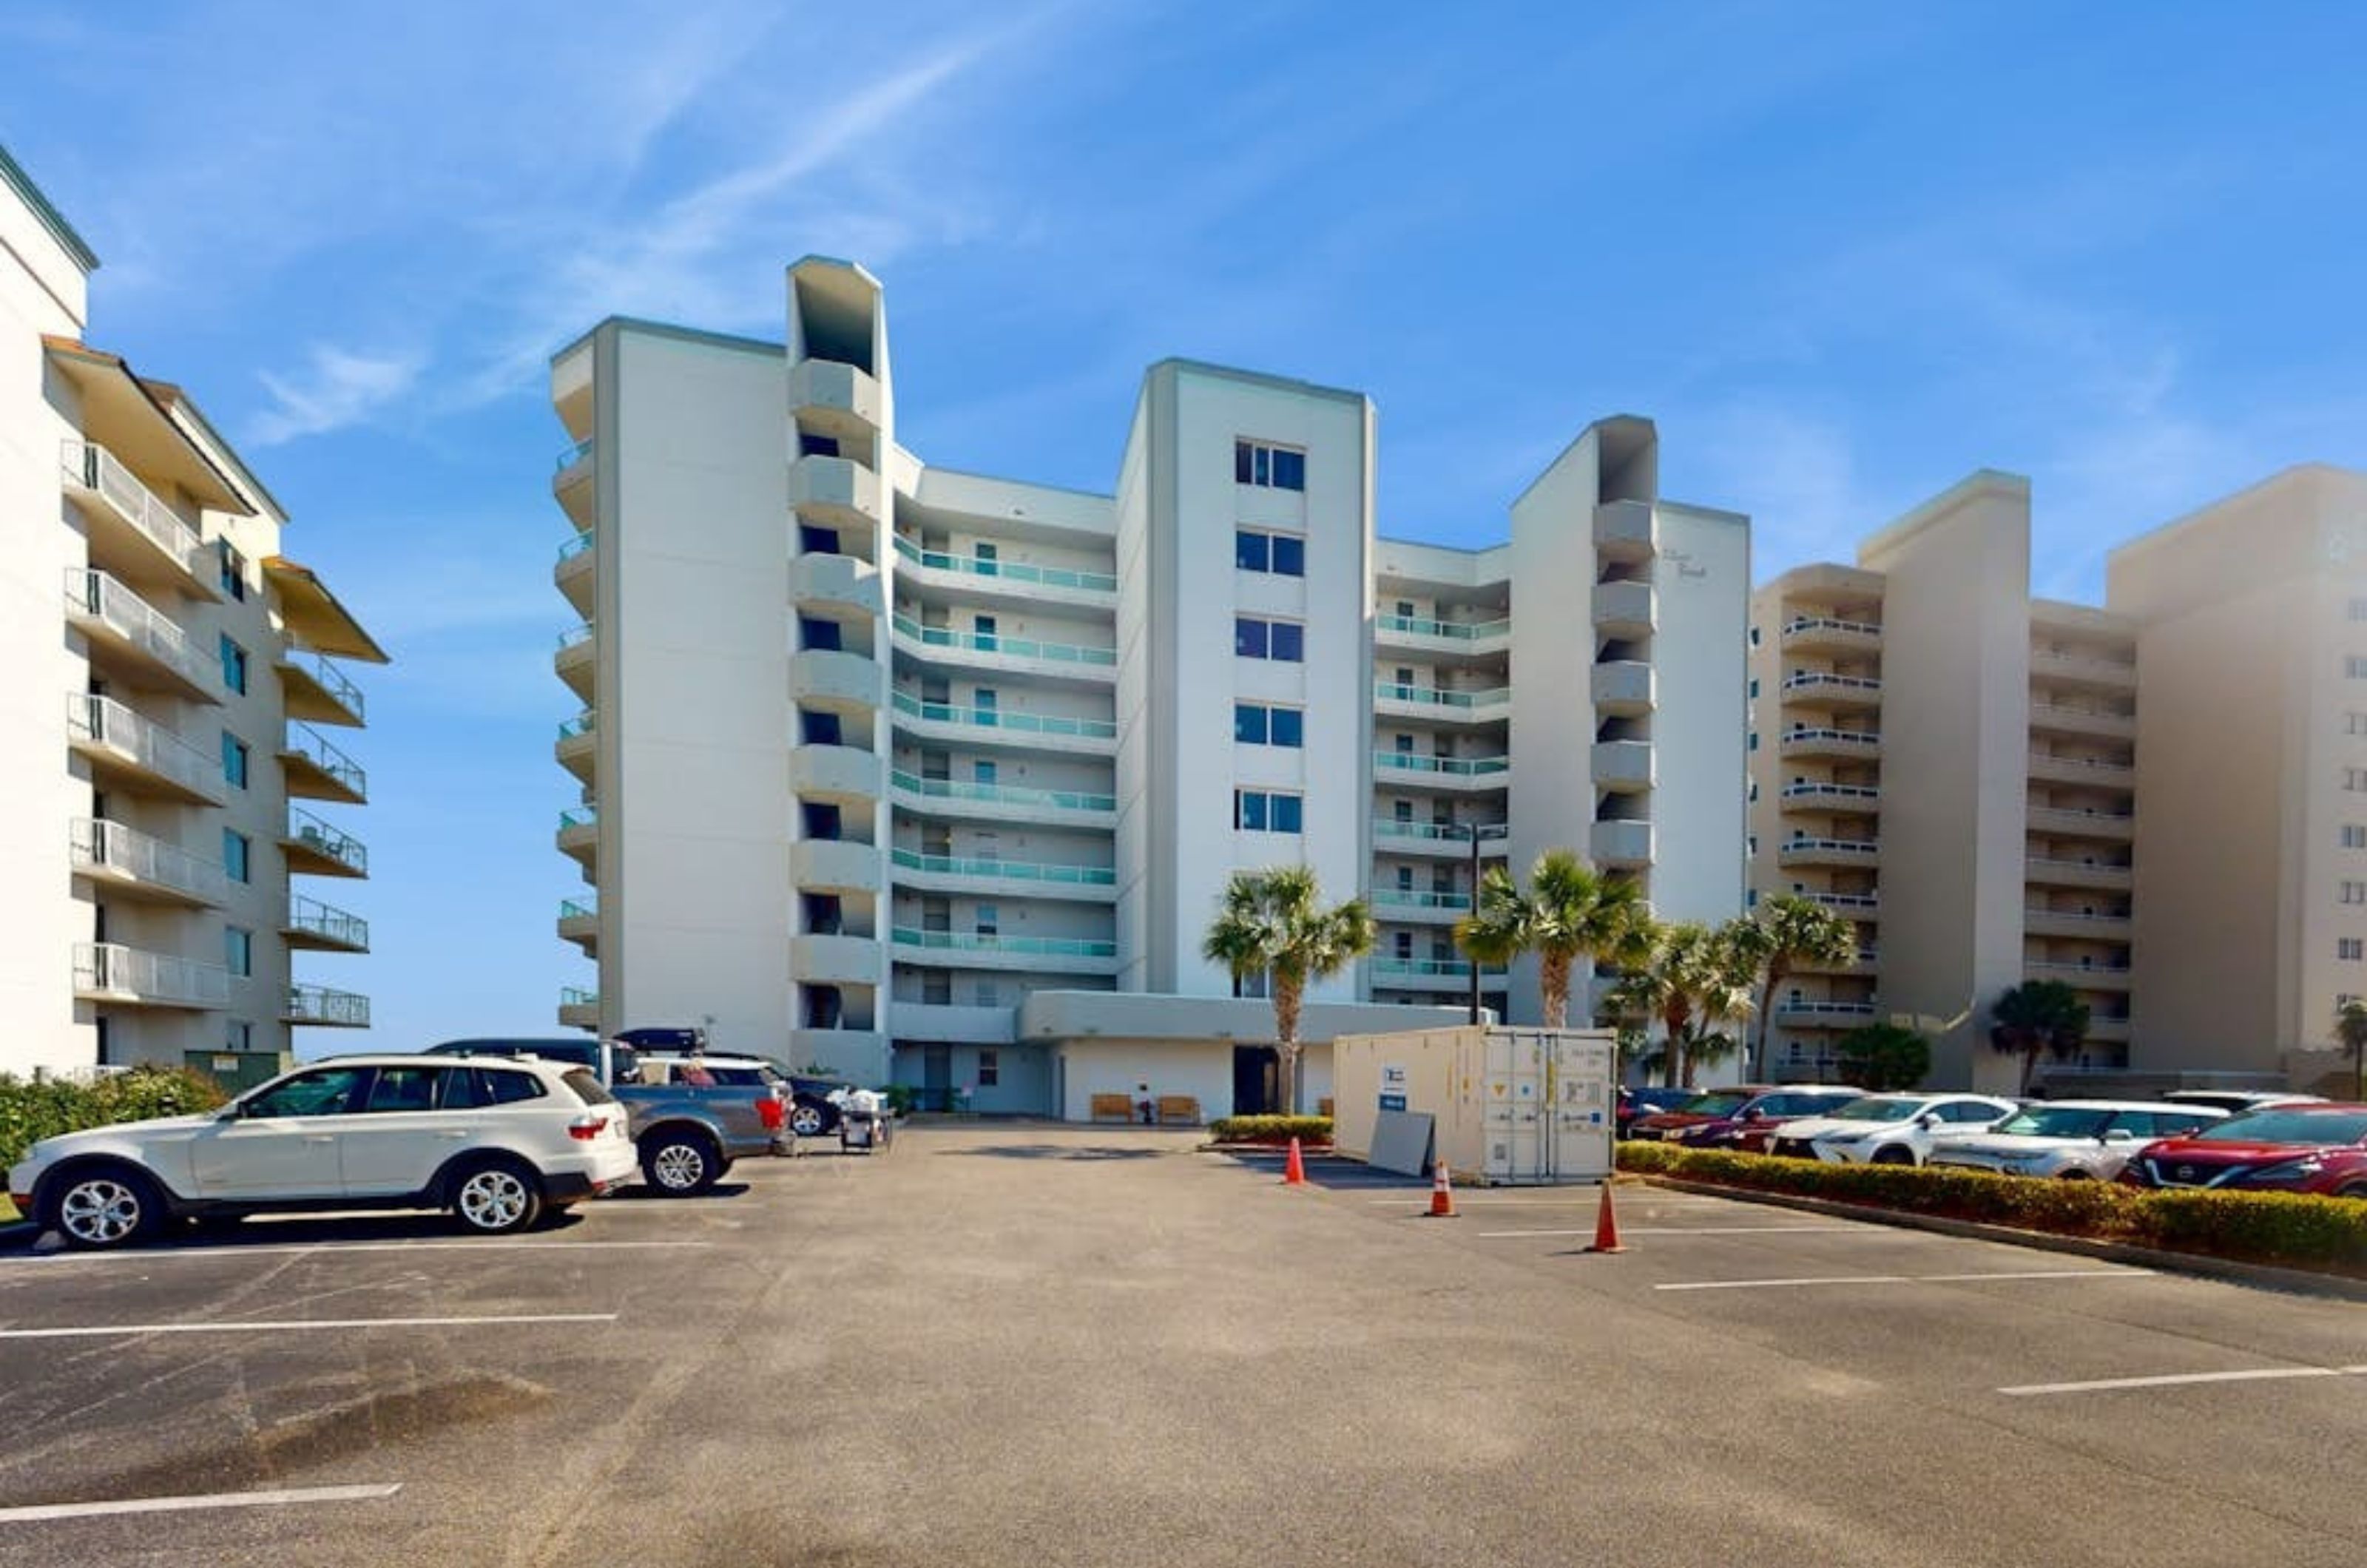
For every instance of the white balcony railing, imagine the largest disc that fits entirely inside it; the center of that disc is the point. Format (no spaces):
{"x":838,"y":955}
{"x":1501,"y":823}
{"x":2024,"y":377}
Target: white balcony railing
{"x":996,"y":719}
{"x":319,"y":1005}
{"x":94,"y":467}
{"x":1002,"y":794}
{"x":1452,"y":767}
{"x":1006,"y":646}
{"x":311,"y":833}
{"x":1439,"y":696}
{"x":1802,"y":625}
{"x":1005,"y":870}
{"x":1810,"y":681}
{"x":104,"y":722}
{"x":94,"y":596}
{"x":1007,"y":571}
{"x":1806,"y":791}
{"x":1426,"y":970}
{"x":311,"y":918}
{"x":1440,"y":832}
{"x":332,"y":681}
{"x":109,"y":969}
{"x":1416,"y":898}
{"x":1868,"y":848}
{"x":307,"y":745}
{"x":1820,"y":735}
{"x":991,"y":941}
{"x":1845,"y":900}
{"x":130,"y":853}
{"x":1450,"y":631}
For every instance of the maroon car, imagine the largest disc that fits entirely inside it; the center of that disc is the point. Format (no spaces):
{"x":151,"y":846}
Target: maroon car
{"x":1752,"y":1124}
{"x":1710,"y":1105}
{"x":2318,"y":1148}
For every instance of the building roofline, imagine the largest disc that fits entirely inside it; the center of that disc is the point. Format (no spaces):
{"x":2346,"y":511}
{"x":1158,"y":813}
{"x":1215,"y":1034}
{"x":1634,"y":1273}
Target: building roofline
{"x":1906,"y":524}
{"x":1007,"y":479}
{"x":1256,"y":377}
{"x":1715,"y":513}
{"x":668,"y":329}
{"x":2162,"y":533}
{"x":52,"y":219}
{"x":177,"y":401}
{"x":1571,"y":445}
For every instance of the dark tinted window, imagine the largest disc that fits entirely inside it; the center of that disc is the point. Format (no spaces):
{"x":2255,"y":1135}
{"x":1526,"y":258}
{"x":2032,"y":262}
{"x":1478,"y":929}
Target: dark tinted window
{"x":1289,"y":642}
{"x":1289,"y":469}
{"x":1286,"y":815}
{"x":1249,"y":638}
{"x":1969,"y":1111}
{"x":588,"y":1087}
{"x":749,"y":1076}
{"x":331,"y":1091}
{"x":1290,"y":551}
{"x":2290,"y":1127}
{"x":1251,"y":552}
{"x":1718,"y":1102}
{"x":498,"y":1086}
{"x":405,"y":1089}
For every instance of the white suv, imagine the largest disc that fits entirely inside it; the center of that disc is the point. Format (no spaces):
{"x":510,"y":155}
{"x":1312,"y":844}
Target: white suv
{"x":1887,"y":1129}
{"x":495,"y":1142}
{"x":2077,"y":1139}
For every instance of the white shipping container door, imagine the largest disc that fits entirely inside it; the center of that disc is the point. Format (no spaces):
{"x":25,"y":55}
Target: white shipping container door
{"x":1516,"y":1087}
{"x":1582,"y":1116}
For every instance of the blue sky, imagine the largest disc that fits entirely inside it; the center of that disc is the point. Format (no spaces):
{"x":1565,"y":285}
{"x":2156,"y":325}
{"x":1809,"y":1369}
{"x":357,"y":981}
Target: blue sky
{"x":1842,"y":254}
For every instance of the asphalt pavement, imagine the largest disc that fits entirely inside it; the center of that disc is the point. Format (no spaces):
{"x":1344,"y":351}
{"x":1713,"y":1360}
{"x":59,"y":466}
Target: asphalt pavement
{"x":1007,"y":1345}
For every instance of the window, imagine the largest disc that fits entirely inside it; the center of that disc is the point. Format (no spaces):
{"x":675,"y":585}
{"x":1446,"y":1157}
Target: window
{"x":990,"y":920}
{"x":2355,"y":666}
{"x":1754,"y":637}
{"x":2355,"y":780}
{"x":2351,"y":892}
{"x":1254,"y":638}
{"x":2354,"y":835}
{"x":2359,"y":609}
{"x":237,"y":855}
{"x":1754,"y":741}
{"x":2349,"y":948}
{"x":1285,"y":555}
{"x":1274,"y":468}
{"x":232,"y":569}
{"x":990,"y":1069}
{"x":332,"y":1092}
{"x":238,"y":1034}
{"x":981,"y":771}
{"x":399,"y":1090}
{"x":1267,"y":811}
{"x":496,"y":1085}
{"x":238,"y":950}
{"x":233,"y":665}
{"x":1754,"y":686}
{"x":2354,"y":724}
{"x":233,"y":760}
{"x":1255,"y":724}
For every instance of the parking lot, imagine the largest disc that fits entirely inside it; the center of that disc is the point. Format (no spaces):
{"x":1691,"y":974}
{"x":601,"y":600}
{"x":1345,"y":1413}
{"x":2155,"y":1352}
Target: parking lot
{"x":1011,"y":1344}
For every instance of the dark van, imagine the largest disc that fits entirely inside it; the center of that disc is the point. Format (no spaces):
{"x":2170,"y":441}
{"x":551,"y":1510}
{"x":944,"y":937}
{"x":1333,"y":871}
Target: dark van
{"x":614,"y":1061}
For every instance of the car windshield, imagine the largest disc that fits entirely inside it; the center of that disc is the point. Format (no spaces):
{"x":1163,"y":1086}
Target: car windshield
{"x":1717,"y":1102}
{"x":1874,"y":1107}
{"x":2057,"y":1122}
{"x":2289,"y":1126}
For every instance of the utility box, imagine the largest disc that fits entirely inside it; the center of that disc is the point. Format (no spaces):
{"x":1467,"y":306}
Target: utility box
{"x":1514,"y":1106}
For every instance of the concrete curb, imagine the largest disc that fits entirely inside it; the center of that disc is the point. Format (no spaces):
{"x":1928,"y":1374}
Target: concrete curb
{"x":2259,"y":1276}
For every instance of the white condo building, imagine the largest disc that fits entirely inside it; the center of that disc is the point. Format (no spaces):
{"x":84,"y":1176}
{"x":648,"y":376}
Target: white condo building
{"x":163,"y":747}
{"x":935,"y":778}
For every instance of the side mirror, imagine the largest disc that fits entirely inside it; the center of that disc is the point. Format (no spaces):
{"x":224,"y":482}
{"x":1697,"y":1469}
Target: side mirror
{"x":1927,"y":1120}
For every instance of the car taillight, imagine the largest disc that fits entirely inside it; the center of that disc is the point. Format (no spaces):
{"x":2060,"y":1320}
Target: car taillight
{"x":772,"y":1112}
{"x":585,"y":1128}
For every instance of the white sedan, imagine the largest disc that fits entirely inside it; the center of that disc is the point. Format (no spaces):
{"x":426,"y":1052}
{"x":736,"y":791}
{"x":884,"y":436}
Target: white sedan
{"x":1887,"y":1129}
{"x":2079,"y":1140}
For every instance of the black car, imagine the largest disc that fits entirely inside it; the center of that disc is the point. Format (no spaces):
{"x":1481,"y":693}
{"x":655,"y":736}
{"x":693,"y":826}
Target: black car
{"x":612,"y":1061}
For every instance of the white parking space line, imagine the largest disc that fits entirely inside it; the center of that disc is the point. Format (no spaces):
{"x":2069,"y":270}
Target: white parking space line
{"x":34,"y":1515}
{"x":281,"y":1249}
{"x":1702,"y":1230}
{"x":298,"y":1326}
{"x":2176,"y":1380}
{"x":1911,"y":1279}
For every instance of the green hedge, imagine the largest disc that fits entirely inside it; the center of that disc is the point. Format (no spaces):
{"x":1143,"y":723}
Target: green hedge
{"x":1270,"y":1129}
{"x":31,"y":1110}
{"x":2281,"y":1228}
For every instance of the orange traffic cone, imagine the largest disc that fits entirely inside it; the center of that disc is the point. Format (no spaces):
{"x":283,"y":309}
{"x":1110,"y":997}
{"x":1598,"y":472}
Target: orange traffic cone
{"x":1607,"y":1225}
{"x":1293,"y":1169}
{"x":1442,"y":1193}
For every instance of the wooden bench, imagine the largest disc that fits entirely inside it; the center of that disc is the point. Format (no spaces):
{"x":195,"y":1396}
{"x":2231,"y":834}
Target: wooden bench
{"x":1113,"y":1108}
{"x":1178,"y":1110}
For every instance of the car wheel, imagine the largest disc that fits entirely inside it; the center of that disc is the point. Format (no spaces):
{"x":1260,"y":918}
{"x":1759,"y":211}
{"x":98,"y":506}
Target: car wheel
{"x":496,"y":1197}
{"x":1893,"y":1156}
{"x":107,"y":1206}
{"x":2356,"y":1190}
{"x":808,"y":1120}
{"x":681,"y":1165}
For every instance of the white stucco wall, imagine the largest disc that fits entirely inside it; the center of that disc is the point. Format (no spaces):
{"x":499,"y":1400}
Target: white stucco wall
{"x":1703,"y":576}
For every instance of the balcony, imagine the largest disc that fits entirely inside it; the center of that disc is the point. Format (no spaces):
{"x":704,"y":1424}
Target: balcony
{"x":1622,"y":844}
{"x":829,"y":681}
{"x":2055,"y":719}
{"x":1626,"y":610}
{"x":129,"y":751}
{"x":971,"y":576}
{"x":1818,"y":688}
{"x":994,"y":650}
{"x":572,"y":486}
{"x":1863,"y":962}
{"x":1432,"y":974}
{"x":2053,"y":873}
{"x":2106,"y":926}
{"x":1809,"y":1014}
{"x":2082,"y":976}
{"x":836,"y":866}
{"x":834,"y":398}
{"x":2087,"y":823}
{"x":1625,"y":530}
{"x":1803,"y":850}
{"x":1395,"y":700}
{"x":994,"y":876}
{"x":982,"y":1025}
{"x":111,"y":973}
{"x":1856,"y":906}
{"x":1002,"y":802}
{"x":319,"y":1007}
{"x":314,"y":689}
{"x":1829,"y":797}
{"x":577,"y":747}
{"x":1404,"y":905}
{"x":2088,"y":670}
{"x":577,"y":661}
{"x":989,"y":950}
{"x":315,"y":849}
{"x":835,"y":587}
{"x":1815,"y":740}
{"x":577,"y":572}
{"x":132,"y":533}
{"x":320,"y":927}
{"x":858,"y":1054}
{"x":1623,"y":766}
{"x":133,"y":864}
{"x":2082,"y":771}
{"x":1623,"y":688}
{"x":825,"y":959}
{"x":836,"y":775}
{"x":1448,"y":639}
{"x":579,"y":835}
{"x":130,"y":640}
{"x":1412,"y":768}
{"x":1002,"y":729}
{"x":314,"y":770}
{"x":579,"y":922}
{"x":1831,"y":634}
{"x":836,"y":493}
{"x":578,"y":1008}
{"x":2108,"y":1029}
{"x":1393,"y":837}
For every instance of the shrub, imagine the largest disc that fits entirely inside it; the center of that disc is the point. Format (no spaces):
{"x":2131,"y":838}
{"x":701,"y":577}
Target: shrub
{"x":1270,"y":1129}
{"x":2255,"y":1227}
{"x":31,"y":1110}
{"x":1884,"y":1056}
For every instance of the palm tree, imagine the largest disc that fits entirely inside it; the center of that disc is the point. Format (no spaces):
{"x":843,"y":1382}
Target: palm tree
{"x":1722,"y":993}
{"x":2035,"y":1016}
{"x":1664,"y":985}
{"x":2350,"y":1029}
{"x":1271,"y":924}
{"x":1570,"y":912}
{"x":1784,"y":935}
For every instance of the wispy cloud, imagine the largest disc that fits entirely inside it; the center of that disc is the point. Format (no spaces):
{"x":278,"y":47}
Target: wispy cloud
{"x":337,"y":387}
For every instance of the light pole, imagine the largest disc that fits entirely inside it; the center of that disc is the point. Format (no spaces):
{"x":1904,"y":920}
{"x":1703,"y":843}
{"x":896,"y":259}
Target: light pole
{"x":1475,"y":832}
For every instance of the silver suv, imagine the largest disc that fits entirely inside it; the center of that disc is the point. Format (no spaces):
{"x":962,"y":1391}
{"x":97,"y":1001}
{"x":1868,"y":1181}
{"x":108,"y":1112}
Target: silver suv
{"x":2078,"y":1140}
{"x":497,"y":1142}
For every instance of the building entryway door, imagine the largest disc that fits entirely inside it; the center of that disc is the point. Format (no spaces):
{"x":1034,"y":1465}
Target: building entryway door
{"x":936,"y":1078}
{"x":1257,"y":1080}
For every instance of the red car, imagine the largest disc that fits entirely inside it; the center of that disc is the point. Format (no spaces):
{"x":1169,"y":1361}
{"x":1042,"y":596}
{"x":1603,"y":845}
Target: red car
{"x":1710,"y":1105}
{"x":1750,"y":1126}
{"x":2318,"y":1148}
